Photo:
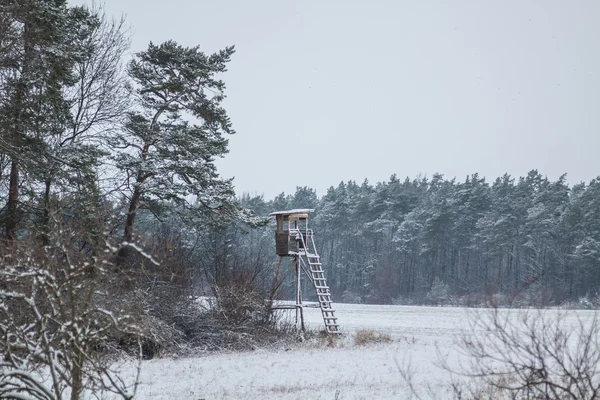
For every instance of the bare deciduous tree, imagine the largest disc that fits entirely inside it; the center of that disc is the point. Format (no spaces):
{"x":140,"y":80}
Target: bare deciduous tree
{"x":99,"y":99}
{"x":57,"y":322}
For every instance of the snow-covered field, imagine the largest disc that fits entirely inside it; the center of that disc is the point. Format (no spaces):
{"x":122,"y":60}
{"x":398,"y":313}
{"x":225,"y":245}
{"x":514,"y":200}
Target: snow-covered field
{"x":315,"y":371}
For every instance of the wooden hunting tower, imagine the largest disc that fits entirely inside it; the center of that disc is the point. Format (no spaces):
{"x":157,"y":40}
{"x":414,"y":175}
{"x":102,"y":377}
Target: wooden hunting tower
{"x":294,"y":240}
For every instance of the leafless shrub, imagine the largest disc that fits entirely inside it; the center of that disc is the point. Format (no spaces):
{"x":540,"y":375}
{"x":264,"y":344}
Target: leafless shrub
{"x":57,"y":323}
{"x":349,"y":296}
{"x":240,"y":301}
{"x":522,"y":354}
{"x":531,"y":355}
{"x":539,"y":354}
{"x":173,"y":321}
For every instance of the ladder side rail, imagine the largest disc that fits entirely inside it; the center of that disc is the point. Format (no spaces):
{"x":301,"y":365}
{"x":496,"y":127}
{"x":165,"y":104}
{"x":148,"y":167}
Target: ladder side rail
{"x":314,"y":245}
{"x":305,"y":264}
{"x":309,"y":239}
{"x":306,"y":269}
{"x":300,"y":238}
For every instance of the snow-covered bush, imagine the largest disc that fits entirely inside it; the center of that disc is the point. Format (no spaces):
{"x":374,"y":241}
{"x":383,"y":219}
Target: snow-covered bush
{"x":403,"y":301}
{"x":349,"y":296}
{"x":56,"y":322}
{"x":439,"y":293}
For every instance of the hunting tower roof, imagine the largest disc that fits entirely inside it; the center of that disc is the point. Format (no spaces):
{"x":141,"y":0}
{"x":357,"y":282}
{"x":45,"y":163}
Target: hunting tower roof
{"x":292,"y":212}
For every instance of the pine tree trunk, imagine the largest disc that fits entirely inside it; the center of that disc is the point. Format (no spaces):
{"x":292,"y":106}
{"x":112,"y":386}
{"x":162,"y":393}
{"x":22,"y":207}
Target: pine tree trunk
{"x":17,"y":130}
{"x":13,"y":198}
{"x":45,"y":235}
{"x":134,"y":203}
{"x":13,"y":186}
{"x":131,"y":213}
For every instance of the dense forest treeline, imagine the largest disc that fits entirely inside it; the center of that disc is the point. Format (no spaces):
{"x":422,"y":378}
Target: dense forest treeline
{"x":515,"y":240}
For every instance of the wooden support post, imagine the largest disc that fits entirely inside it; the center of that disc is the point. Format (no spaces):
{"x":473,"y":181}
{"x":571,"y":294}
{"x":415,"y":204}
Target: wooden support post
{"x":276,"y":283}
{"x":299,"y":307}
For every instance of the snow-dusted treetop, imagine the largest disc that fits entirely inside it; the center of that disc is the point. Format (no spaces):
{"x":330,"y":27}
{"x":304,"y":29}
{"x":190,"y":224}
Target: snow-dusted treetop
{"x":292,"y":212}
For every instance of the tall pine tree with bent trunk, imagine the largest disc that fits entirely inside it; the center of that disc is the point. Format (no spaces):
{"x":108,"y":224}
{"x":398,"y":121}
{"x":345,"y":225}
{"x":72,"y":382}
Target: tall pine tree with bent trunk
{"x":172,"y":138}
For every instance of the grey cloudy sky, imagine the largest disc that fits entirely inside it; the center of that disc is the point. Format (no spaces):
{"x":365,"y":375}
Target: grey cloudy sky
{"x":324,"y":91}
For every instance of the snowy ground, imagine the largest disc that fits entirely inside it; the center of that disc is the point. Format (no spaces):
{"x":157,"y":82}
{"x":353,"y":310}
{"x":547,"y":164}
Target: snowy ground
{"x":314,"y":371}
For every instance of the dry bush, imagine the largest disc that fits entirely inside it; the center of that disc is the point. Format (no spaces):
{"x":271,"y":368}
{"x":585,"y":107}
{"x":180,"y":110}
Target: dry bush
{"x":240,"y":301}
{"x":57,"y":323}
{"x":517,"y":354}
{"x":365,"y":337}
{"x":533,"y":355}
{"x":323,"y":338}
{"x":173,"y":321}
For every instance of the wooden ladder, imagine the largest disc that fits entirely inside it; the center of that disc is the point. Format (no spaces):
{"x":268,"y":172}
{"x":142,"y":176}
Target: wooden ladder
{"x":317,"y":276}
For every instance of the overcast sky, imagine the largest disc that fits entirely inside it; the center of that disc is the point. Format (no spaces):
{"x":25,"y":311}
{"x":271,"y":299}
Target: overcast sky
{"x":325,"y":91}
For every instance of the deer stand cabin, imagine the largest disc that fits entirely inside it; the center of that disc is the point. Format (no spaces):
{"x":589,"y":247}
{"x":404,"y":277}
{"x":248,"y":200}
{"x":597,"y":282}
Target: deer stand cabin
{"x":294,"y":241}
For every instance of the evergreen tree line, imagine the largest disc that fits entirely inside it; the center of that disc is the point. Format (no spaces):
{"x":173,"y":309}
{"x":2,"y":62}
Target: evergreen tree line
{"x":515,"y":241}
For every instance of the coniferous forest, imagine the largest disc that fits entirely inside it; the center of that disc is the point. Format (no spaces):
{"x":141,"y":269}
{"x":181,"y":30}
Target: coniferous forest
{"x":519,"y":241}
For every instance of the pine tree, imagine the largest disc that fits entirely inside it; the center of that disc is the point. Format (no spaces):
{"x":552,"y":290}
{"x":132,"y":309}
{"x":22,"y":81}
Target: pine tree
{"x":175,"y":133}
{"x":38,"y":54}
